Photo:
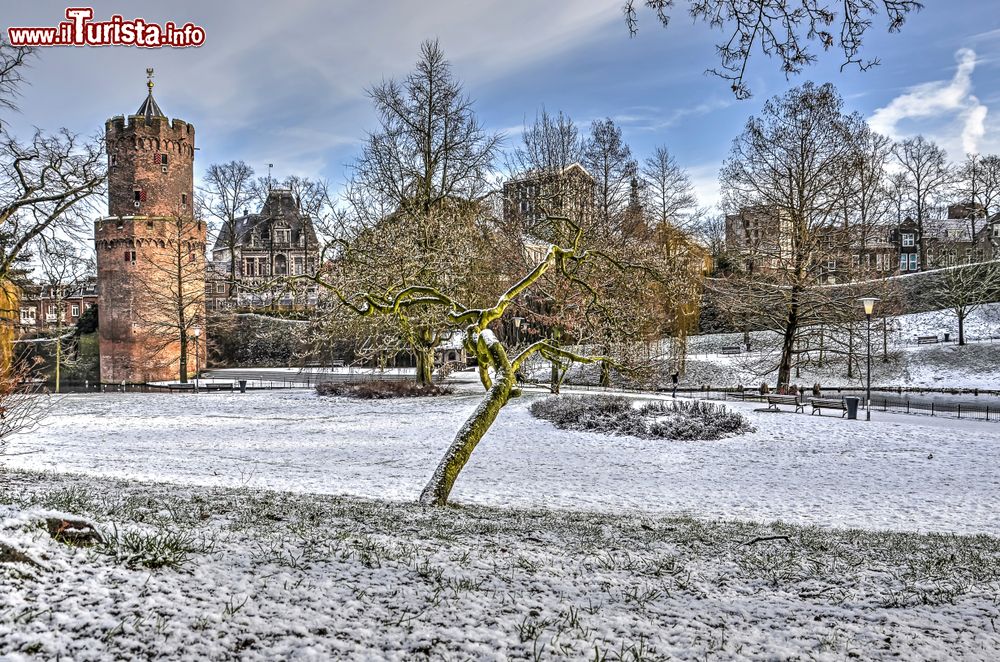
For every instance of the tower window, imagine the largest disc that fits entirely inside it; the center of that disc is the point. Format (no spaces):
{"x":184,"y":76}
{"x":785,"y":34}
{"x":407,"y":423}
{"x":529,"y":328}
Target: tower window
{"x":160,"y":159}
{"x":114,"y":160}
{"x":130,"y":257}
{"x":184,"y":199}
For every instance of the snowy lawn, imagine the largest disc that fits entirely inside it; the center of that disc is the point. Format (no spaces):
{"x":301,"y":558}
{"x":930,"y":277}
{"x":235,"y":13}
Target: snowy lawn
{"x":254,"y":574}
{"x":904,"y":473}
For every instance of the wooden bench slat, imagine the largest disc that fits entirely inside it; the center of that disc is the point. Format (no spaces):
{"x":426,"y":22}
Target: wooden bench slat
{"x":818,"y":404}
{"x":774,"y":400}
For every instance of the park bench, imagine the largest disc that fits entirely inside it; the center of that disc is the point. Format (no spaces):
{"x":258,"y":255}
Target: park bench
{"x":732,"y":350}
{"x":927,"y":340}
{"x":218,"y":386}
{"x":819,"y":404}
{"x":774,"y":400}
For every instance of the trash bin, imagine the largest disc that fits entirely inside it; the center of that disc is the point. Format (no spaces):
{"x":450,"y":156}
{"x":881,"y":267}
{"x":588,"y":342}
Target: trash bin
{"x":852,"y":406}
{"x":243,"y":386}
{"x":947,"y":337}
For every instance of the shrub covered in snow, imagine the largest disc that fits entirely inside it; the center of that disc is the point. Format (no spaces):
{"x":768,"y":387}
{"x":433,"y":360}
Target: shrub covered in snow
{"x":380,"y":390}
{"x":613,"y":414}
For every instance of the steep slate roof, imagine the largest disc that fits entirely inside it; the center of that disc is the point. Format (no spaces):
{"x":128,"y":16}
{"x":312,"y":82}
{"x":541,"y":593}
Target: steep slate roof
{"x":280,"y":208}
{"x":149,"y":108}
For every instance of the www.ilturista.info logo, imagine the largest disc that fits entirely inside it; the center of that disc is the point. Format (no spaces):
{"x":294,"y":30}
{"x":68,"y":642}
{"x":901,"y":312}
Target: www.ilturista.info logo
{"x":79,"y":30}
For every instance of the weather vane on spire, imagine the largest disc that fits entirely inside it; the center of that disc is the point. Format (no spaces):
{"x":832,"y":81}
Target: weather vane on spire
{"x":149,"y":81}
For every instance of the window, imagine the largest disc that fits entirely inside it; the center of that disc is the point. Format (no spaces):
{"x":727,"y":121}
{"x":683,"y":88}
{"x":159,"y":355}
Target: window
{"x":902,"y":263}
{"x":184,"y":200}
{"x":280,"y":265}
{"x":856,"y":261}
{"x":996,"y":229}
{"x":299,"y":266}
{"x":139,"y":195}
{"x":160,"y":159}
{"x":114,"y":160}
{"x":283,"y":236}
{"x":75,"y":311}
{"x":913,"y":261}
{"x":130,"y":257}
{"x":831,"y":265}
{"x":220,"y":288}
{"x":908,"y":239}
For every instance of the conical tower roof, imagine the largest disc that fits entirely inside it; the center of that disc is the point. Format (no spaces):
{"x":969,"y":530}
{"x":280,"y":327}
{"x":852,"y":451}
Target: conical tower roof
{"x":149,"y":108}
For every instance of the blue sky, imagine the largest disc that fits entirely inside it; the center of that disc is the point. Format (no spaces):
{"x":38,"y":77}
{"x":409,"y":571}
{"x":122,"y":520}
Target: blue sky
{"x":284,"y":82}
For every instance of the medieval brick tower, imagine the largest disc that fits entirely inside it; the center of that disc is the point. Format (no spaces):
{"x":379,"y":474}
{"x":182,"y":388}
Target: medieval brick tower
{"x":150,"y":251}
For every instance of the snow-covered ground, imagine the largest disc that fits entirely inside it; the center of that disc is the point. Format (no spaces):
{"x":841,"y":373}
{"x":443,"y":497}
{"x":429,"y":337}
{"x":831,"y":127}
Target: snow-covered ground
{"x":897,"y":472}
{"x":976,"y":365}
{"x":257,"y":575}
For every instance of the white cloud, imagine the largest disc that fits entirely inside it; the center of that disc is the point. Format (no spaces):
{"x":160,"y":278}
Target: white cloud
{"x":951,"y":101}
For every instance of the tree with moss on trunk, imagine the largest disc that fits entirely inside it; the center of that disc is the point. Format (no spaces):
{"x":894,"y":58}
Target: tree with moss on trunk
{"x":415,"y":199}
{"x":498,"y":366}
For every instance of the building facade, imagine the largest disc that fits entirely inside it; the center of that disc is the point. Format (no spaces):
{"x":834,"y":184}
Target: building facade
{"x":529,"y":200}
{"x":45,"y":307}
{"x":278,"y":241}
{"x":150,"y":250}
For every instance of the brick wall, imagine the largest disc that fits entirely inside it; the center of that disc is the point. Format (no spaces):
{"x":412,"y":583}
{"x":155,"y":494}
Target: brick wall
{"x":136,"y":250}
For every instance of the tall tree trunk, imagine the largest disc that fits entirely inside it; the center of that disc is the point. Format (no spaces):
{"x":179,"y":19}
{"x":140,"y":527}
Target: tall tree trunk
{"x":425,"y":366}
{"x":58,"y":352}
{"x":788,"y":344}
{"x":184,"y":357}
{"x":885,"y":341}
{"x":850,"y":351}
{"x":437,"y":490}
{"x":961,"y":327}
{"x":605,"y":374}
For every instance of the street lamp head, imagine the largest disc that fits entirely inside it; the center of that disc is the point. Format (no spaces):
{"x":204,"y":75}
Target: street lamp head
{"x":197,"y":331}
{"x":517,"y":322}
{"x":869,"y":304}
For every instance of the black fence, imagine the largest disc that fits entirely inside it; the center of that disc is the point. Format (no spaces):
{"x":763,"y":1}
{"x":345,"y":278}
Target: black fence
{"x":886,"y":403}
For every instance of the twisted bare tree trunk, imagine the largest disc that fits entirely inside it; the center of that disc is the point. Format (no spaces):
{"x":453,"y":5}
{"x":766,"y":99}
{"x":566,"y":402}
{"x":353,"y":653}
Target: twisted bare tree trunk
{"x":468,"y":437}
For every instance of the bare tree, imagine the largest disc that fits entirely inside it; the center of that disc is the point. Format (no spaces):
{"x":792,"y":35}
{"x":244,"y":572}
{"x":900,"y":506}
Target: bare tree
{"x":548,"y":145}
{"x":928,"y":177}
{"x":867,"y":200}
{"x":417,"y":194}
{"x":668,"y":193}
{"x":965,"y":288}
{"x":977,"y":182}
{"x":172,"y":281}
{"x":785,"y":178}
{"x":63,"y":269}
{"x":498,"y":368}
{"x":783,"y":29}
{"x":22,"y":407}
{"x":227,"y":190}
{"x":609,"y":159}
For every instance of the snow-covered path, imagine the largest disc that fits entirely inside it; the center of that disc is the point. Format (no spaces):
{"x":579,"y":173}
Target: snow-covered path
{"x":898,"y":472}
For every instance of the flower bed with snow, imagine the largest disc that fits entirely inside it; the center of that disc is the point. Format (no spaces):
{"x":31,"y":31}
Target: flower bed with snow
{"x":612,"y":414}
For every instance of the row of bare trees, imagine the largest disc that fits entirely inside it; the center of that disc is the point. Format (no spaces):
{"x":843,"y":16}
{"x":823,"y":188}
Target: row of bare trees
{"x":813,"y":190}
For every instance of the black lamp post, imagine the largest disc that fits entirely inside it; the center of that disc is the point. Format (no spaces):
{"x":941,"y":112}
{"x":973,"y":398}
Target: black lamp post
{"x":869,"y":304}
